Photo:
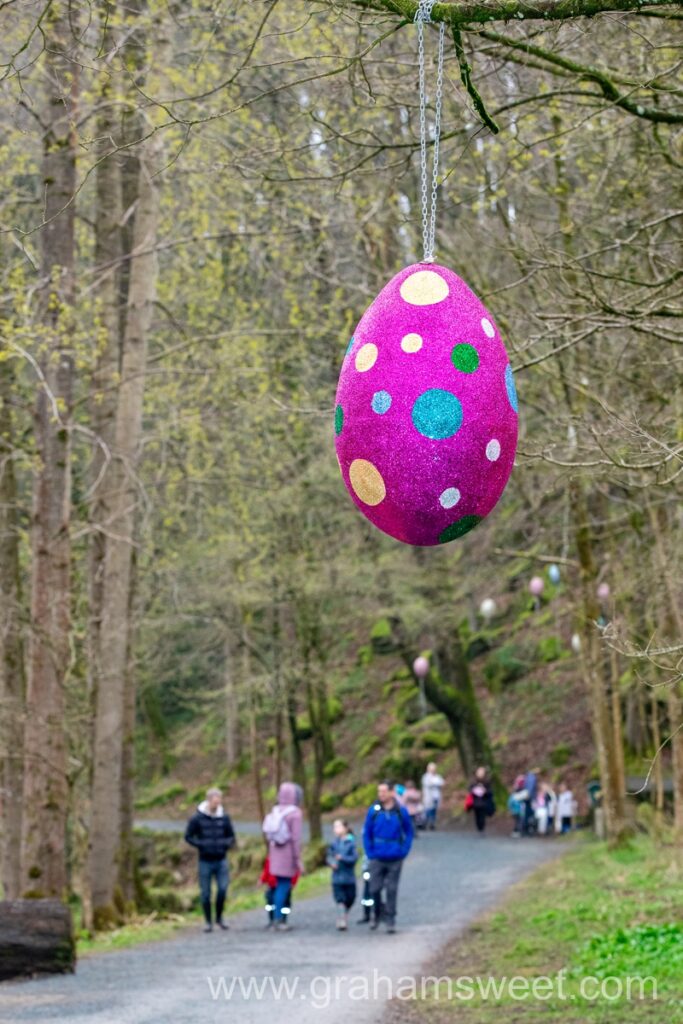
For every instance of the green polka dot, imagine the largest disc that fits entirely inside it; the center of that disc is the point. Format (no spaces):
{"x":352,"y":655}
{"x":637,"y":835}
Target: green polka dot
{"x":465,"y":357}
{"x":338,"y":419}
{"x":459,"y":528}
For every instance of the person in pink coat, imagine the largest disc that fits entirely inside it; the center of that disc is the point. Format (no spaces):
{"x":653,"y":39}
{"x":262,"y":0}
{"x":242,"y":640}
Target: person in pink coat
{"x":282,"y":828}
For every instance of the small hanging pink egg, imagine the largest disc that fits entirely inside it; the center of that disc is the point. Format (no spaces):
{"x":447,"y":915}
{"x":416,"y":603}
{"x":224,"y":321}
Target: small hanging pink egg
{"x":421,"y":667}
{"x":426,"y":413}
{"x":536,"y":586}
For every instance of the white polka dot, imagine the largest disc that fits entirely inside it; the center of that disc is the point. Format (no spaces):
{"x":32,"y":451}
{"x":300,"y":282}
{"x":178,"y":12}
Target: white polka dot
{"x":450,"y":497}
{"x":411,"y":343}
{"x":424,"y":288}
{"x":488,"y":328}
{"x":493,"y":450}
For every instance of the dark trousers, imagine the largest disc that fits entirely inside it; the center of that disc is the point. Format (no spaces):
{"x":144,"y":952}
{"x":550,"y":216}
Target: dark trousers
{"x":384,"y":876}
{"x":480,"y":818}
{"x":217,"y":869}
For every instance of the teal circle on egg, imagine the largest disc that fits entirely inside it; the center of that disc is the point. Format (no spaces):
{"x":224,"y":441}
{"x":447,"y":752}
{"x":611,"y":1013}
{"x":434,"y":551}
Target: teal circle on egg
{"x":437,"y":414}
{"x":338,"y":420}
{"x":510,"y":387}
{"x":381,"y":402}
{"x":349,"y":347}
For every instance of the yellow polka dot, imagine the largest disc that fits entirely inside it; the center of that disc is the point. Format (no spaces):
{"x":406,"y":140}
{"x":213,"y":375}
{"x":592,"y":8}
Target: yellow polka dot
{"x":411,"y":343}
{"x":424,"y":288}
{"x":367,"y":482}
{"x":366,"y":358}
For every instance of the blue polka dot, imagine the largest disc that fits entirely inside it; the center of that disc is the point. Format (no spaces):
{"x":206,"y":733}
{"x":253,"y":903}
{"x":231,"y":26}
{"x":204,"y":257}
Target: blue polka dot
{"x":510,"y":387}
{"x":437,"y":414}
{"x":381,"y":402}
{"x":349,"y":347}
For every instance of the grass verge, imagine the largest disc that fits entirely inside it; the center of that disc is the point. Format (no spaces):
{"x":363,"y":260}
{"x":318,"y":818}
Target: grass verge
{"x":601,"y":917}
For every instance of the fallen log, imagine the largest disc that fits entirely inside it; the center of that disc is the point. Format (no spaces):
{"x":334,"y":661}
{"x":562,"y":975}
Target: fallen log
{"x":36,"y":937}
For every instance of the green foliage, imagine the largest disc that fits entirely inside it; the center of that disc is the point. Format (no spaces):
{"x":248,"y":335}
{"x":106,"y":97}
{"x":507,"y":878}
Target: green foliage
{"x":171,"y":792}
{"x":437,"y":740}
{"x":560,"y":754}
{"x":328,"y":802}
{"x":503,"y":666}
{"x":361,"y":796}
{"x":551,"y":648}
{"x":366,"y":746}
{"x":335,"y":767}
{"x":633,"y":952}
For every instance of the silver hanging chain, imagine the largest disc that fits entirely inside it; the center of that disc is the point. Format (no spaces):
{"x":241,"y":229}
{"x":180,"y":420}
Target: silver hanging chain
{"x":422,"y":16}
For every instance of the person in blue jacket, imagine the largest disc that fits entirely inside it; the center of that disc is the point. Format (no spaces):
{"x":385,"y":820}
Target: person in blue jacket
{"x":341,"y":857}
{"x":387,"y":838}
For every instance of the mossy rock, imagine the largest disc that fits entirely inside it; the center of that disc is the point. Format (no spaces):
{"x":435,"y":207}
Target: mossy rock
{"x":314,"y":855}
{"x":560,"y":755}
{"x":160,"y":878}
{"x":361,"y":796}
{"x":477,"y":646}
{"x":164,"y":796}
{"x":381,"y":637}
{"x":167,"y":901}
{"x":328,"y":802}
{"x":335,"y":767}
{"x":366,"y":747}
{"x":399,"y":766}
{"x":437,"y":740}
{"x":335,"y":710}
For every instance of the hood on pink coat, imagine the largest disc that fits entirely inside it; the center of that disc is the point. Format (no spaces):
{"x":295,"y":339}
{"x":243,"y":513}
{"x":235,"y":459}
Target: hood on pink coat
{"x":289,"y":793}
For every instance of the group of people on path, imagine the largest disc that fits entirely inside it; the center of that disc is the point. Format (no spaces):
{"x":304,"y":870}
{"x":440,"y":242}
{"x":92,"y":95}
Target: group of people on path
{"x":537,"y":809}
{"x":391,"y":825}
{"x":388,"y":833}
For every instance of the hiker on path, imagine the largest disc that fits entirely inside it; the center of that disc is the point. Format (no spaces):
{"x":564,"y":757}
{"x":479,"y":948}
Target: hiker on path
{"x":531,"y":787}
{"x":282,"y":827}
{"x":387,"y":838}
{"x":565,"y":808}
{"x":481,"y":799}
{"x":432,"y":787}
{"x":210,"y":831}
{"x":341,"y":857}
{"x":412,"y":801}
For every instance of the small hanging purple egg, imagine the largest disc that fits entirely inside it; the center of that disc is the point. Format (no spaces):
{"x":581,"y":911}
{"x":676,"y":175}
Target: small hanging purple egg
{"x":426,"y":413}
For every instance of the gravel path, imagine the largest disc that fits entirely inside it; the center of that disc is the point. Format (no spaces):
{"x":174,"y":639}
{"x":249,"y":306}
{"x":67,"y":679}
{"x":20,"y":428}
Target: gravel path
{"x":448,"y":880}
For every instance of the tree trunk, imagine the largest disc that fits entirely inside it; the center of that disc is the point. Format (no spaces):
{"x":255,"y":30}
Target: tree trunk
{"x":673,"y":627}
{"x":114,"y":637}
{"x":593,"y":663}
{"x":108,"y":253}
{"x":127,"y":856}
{"x":44,"y":870}
{"x":12,"y":678}
{"x":35,"y":938}
{"x":231,"y":704}
{"x":314,"y":789}
{"x":449,"y":688}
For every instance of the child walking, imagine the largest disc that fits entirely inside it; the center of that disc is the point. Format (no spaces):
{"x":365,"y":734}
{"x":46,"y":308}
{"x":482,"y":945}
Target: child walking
{"x":341,"y":857}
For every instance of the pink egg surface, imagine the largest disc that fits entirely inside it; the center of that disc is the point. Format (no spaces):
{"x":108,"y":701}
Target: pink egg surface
{"x":426,"y":413}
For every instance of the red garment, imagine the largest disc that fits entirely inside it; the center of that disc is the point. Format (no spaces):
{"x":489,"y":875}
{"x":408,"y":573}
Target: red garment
{"x":270,"y":880}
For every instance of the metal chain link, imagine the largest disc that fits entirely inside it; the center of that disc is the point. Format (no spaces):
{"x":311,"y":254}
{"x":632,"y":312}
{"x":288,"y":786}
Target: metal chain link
{"x":422,"y":16}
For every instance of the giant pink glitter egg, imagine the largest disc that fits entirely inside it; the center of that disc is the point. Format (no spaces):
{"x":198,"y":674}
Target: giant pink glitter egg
{"x":426,"y":414}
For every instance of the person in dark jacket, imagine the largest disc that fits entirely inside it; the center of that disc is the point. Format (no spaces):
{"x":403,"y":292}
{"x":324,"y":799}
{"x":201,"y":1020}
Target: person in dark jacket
{"x":341,"y":857}
{"x":210,"y":831}
{"x":387,"y":838}
{"x":482,"y":802}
